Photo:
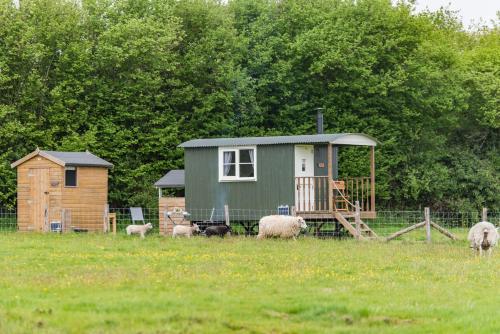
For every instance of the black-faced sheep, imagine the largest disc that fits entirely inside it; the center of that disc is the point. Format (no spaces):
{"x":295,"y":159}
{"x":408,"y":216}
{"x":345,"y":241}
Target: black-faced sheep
{"x":139,"y":229}
{"x":483,"y":237}
{"x":220,"y":230}
{"x":280,"y":226}
{"x":183,"y":230}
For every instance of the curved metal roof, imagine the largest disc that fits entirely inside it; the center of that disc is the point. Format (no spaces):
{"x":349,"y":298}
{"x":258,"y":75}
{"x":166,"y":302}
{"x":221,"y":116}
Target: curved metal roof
{"x":358,"y":139}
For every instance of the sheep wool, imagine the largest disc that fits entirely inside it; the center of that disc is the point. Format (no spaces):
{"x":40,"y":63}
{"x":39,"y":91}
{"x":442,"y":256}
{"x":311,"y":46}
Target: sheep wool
{"x":483,"y":237}
{"x":183,"y":230}
{"x":280,"y":226}
{"x":139,"y":229}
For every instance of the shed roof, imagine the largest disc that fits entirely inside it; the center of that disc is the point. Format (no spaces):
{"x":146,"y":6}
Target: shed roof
{"x":358,"y":139}
{"x":173,"y":179}
{"x":85,"y":159}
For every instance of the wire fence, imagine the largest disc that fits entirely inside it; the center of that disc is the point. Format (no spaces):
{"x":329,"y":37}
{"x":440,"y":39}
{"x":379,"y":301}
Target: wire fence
{"x":8,"y":220}
{"x":458,"y":223}
{"x":124,"y":218}
{"x":243,"y":222}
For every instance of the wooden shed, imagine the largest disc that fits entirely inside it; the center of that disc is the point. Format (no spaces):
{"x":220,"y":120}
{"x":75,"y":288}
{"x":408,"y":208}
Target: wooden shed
{"x":66,"y":191}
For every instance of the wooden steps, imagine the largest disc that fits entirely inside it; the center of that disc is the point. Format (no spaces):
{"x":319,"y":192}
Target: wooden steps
{"x":365,"y":232}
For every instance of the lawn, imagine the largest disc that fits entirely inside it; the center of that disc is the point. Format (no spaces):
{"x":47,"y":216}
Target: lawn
{"x":106,"y":284}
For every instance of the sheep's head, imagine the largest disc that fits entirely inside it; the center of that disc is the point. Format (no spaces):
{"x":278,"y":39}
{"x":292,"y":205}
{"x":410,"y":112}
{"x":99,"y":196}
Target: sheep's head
{"x":302,"y":223}
{"x":228,"y":228}
{"x":149,"y":226}
{"x":195,"y":228}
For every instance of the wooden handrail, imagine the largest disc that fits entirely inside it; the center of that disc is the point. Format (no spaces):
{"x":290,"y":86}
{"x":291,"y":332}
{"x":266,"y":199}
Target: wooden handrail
{"x":311,"y":193}
{"x":319,"y":194}
{"x":359,"y":189}
{"x":311,"y":177}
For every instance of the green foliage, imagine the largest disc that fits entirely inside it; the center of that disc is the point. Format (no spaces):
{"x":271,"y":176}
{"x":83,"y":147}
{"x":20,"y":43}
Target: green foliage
{"x":130,"y":80}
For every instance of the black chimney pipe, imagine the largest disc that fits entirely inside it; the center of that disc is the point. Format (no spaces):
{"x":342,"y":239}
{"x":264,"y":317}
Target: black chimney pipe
{"x":319,"y":121}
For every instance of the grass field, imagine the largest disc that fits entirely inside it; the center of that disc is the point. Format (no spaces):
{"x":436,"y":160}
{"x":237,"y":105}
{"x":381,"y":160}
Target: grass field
{"x":106,"y":284}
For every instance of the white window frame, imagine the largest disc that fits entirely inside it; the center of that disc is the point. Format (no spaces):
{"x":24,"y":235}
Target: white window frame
{"x":236,"y":178}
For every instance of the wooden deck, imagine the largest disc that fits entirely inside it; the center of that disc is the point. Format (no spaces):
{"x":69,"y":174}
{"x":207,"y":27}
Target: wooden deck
{"x":318,"y":198}
{"x":331,"y":215}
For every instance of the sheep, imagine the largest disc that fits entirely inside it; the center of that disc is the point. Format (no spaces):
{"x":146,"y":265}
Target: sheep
{"x":183,"y":230}
{"x":139,"y":229}
{"x":483,"y":237}
{"x":280,"y":226}
{"x":220,"y":230}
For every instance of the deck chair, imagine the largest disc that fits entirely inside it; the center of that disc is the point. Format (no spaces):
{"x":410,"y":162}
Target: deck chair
{"x":137,"y":215}
{"x":340,"y":198}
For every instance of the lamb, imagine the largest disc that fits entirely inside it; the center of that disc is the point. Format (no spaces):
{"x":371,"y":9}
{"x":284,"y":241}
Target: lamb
{"x":220,"y":230}
{"x":183,"y":230}
{"x":139,"y":229}
{"x":483,"y":237}
{"x":280,"y":226}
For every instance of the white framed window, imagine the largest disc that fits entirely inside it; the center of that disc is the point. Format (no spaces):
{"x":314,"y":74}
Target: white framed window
{"x":238,"y":163}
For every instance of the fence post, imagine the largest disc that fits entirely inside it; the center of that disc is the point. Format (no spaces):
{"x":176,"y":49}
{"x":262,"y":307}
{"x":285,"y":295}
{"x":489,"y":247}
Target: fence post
{"x":357,"y":217}
{"x":427,"y":215}
{"x":165,"y":217}
{"x":226,"y":214}
{"x":484,"y":217}
{"x":106,"y":218}
{"x":63,"y":220}
{"x":113,"y":218}
{"x":293,"y":212}
{"x":329,"y":161}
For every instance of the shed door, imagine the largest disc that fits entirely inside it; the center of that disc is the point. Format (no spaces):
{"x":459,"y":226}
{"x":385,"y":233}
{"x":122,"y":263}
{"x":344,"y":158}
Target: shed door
{"x":39,"y":198}
{"x":304,"y":177}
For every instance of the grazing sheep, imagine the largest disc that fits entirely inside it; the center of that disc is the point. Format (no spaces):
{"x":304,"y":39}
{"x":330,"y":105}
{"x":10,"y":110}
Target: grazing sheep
{"x":280,"y":226}
{"x":483,"y":237}
{"x":220,"y":230}
{"x":139,"y":229}
{"x":183,"y":230}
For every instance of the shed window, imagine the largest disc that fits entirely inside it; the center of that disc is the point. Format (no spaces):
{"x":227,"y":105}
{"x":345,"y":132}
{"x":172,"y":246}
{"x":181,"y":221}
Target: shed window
{"x":70,"y":177}
{"x":237,"y":164}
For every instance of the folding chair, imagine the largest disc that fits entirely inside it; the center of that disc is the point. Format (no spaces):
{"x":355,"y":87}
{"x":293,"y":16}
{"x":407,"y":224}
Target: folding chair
{"x":137,"y":215}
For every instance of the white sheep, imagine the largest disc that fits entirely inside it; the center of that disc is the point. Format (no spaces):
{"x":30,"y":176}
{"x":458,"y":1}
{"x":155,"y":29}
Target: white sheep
{"x":483,"y":237}
{"x":139,"y":229}
{"x":280,"y":226}
{"x":183,"y":230}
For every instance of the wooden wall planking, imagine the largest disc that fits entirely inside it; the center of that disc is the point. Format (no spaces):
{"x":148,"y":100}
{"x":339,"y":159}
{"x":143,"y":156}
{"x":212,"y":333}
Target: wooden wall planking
{"x":88,"y":199}
{"x":85,"y":202}
{"x":170,"y":204}
{"x":29,"y":204}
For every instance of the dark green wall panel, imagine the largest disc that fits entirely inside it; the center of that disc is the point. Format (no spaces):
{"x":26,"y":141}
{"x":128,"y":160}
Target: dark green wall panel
{"x":274,"y":185}
{"x":320,"y":156}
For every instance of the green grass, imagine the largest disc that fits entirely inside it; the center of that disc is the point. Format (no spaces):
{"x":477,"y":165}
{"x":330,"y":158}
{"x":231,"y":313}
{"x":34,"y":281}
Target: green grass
{"x":105,"y":284}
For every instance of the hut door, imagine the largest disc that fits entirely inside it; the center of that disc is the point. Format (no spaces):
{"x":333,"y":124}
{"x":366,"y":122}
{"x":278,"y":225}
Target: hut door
{"x":39,"y":197}
{"x":304,"y":178}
